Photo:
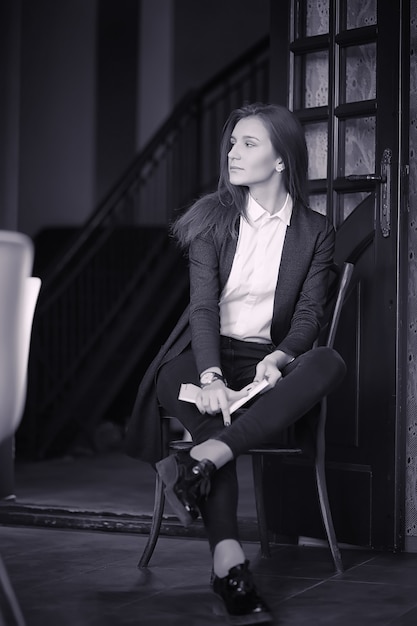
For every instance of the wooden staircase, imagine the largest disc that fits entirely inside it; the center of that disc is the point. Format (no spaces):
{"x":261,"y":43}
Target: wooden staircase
{"x":110,"y":297}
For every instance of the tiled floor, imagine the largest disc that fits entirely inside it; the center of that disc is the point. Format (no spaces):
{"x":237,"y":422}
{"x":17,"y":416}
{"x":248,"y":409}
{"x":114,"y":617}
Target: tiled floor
{"x":73,"y":577}
{"x":77,"y":578}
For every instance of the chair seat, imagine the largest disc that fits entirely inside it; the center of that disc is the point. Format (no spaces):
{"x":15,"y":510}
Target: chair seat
{"x":278,"y":450}
{"x":178,"y":445}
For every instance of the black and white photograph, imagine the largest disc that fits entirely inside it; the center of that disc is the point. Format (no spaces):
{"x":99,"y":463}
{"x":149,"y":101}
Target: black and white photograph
{"x":208,"y":312}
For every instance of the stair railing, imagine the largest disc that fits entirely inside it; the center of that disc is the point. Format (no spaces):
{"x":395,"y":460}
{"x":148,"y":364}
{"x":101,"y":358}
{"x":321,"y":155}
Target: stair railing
{"x":86,"y":287}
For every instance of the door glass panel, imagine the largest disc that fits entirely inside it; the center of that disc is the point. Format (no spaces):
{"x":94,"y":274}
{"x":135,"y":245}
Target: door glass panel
{"x":316,"y":139}
{"x":359,"y":146}
{"x":318,"y":202}
{"x":316,"y":79}
{"x":329,"y":76}
{"x":317,"y":17}
{"x":360,"y":13}
{"x":360,"y":73}
{"x":348,"y":202}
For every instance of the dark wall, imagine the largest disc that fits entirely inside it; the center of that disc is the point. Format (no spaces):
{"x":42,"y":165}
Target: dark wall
{"x":78,"y":106}
{"x":116,"y":99}
{"x":57,"y":98}
{"x":79,"y":100}
{"x":211,"y":34}
{"x":9,"y":112}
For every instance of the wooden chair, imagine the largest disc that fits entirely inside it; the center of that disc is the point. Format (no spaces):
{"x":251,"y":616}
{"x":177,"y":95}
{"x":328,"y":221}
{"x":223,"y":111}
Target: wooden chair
{"x":337,"y":295}
{"x":18,"y":296}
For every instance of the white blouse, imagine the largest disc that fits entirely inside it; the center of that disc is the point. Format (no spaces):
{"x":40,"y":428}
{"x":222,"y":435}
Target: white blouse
{"x":247,"y":300}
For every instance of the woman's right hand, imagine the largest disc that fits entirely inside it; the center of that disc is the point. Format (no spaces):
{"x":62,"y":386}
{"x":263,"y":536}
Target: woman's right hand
{"x":216,"y":398}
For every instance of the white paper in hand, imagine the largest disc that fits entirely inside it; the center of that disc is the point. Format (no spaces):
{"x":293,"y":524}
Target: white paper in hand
{"x":252,"y":390}
{"x":188,"y":393}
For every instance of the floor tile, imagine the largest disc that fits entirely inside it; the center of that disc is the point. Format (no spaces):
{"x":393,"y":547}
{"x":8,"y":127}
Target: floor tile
{"x":68,"y":577}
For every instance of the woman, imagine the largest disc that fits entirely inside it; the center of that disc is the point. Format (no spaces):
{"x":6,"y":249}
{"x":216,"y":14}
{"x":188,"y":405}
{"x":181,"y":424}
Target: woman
{"x":259,"y":261}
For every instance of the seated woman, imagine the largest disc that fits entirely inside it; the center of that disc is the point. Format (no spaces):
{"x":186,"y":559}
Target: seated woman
{"x":259,"y":262}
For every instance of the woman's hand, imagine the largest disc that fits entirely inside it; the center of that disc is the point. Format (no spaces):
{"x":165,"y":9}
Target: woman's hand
{"x":217,"y":397}
{"x":269,"y":368}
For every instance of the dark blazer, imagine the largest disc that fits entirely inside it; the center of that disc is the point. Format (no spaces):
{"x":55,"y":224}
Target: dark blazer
{"x":300,"y":298}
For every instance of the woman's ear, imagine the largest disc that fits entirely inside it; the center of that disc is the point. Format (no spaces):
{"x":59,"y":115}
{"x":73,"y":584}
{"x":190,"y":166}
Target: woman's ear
{"x":280,"y":167}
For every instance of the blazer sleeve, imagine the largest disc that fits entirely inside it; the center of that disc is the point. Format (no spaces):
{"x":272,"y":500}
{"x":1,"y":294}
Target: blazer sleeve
{"x":309,"y":308}
{"x":143,"y":437}
{"x":204,"y":302}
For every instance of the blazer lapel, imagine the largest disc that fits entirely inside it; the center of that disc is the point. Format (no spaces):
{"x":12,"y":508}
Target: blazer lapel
{"x":295,"y":255}
{"x":226,"y":256}
{"x":288,"y":257}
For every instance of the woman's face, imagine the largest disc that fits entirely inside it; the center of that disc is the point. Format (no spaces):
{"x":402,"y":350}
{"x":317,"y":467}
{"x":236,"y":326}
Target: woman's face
{"x":252,"y":159}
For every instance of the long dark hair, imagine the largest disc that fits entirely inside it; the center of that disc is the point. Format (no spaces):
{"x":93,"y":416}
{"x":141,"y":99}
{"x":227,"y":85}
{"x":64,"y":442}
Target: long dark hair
{"x":219,"y":210}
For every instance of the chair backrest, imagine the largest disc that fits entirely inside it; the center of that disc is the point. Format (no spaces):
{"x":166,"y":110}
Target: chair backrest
{"x":18,"y":296}
{"x":343,"y":286}
{"x":337,"y":294}
{"x":336,"y":299}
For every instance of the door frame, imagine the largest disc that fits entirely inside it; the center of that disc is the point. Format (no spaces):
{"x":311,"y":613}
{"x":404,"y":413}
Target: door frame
{"x":398,"y":101}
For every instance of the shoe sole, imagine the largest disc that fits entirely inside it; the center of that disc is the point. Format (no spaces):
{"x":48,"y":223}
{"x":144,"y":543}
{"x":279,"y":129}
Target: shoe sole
{"x":167,"y":470}
{"x":219,"y":609}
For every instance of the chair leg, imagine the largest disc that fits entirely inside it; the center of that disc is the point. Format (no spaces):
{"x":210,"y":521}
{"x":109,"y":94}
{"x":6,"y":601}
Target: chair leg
{"x":257,"y":462}
{"x":10,"y":596}
{"x":327,"y":516}
{"x":156,"y":523}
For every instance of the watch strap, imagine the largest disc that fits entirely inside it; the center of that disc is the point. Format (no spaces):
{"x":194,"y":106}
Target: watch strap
{"x":210,"y":377}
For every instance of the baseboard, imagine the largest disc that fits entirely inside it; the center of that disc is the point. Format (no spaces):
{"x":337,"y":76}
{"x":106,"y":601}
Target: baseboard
{"x":75,"y":519}
{"x":410,"y":544}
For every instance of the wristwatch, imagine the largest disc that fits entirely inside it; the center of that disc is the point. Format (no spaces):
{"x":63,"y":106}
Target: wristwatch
{"x":209,"y":377}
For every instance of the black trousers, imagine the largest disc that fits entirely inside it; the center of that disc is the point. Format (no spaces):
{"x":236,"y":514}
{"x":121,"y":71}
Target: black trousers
{"x":305,"y":382}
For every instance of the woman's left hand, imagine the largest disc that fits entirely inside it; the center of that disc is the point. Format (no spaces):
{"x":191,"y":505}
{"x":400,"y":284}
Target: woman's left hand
{"x":268,"y":369}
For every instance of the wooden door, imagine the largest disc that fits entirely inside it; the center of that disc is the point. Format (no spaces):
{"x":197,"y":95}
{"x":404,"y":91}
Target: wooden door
{"x":342,"y":67}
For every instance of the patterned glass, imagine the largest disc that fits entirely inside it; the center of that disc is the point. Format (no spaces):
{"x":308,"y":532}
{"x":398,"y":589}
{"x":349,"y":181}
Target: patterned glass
{"x":359,"y":146}
{"x":349,"y":201}
{"x":317,"y":17}
{"x":316,"y":139}
{"x":318,"y":202}
{"x":360,"y":13}
{"x":360,"y":65}
{"x":316,"y":79}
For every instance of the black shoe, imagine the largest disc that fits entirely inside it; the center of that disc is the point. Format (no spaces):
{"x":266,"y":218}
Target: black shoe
{"x":186,"y":481}
{"x":241,"y":600}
